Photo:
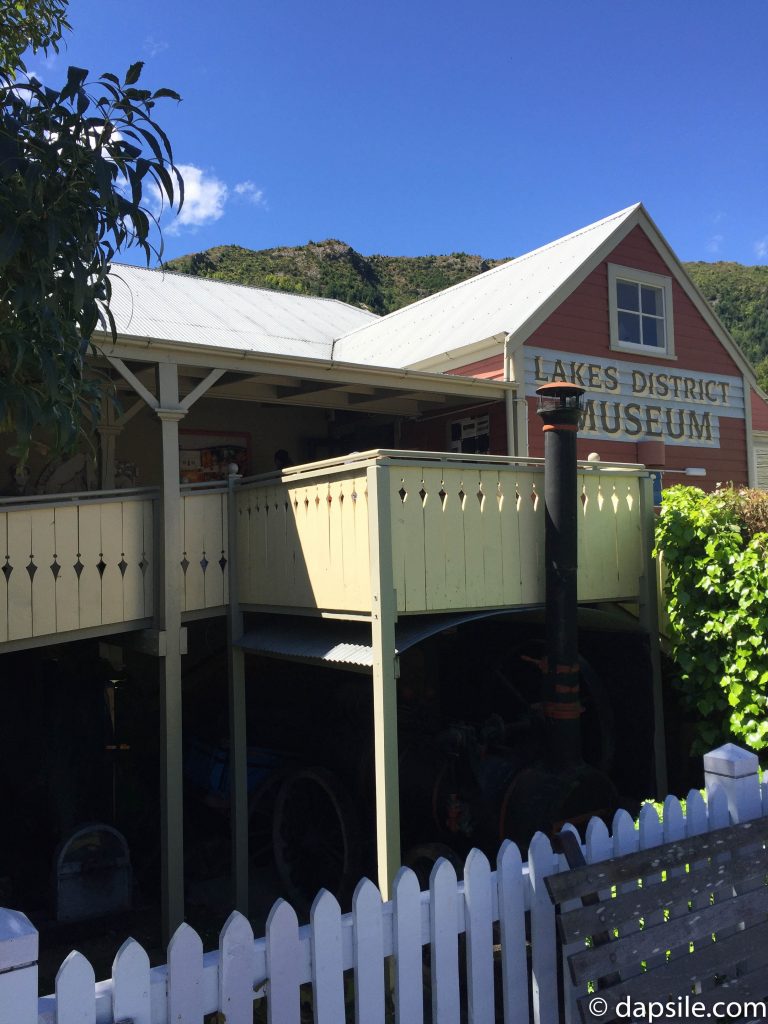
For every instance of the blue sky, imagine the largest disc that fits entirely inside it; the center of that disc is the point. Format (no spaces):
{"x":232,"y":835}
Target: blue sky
{"x":408,"y":127}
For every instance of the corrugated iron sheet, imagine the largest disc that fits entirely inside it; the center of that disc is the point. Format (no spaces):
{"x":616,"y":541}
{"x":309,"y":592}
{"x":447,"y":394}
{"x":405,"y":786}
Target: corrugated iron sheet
{"x":192,"y":310}
{"x":341,"y":642}
{"x":499,"y":301}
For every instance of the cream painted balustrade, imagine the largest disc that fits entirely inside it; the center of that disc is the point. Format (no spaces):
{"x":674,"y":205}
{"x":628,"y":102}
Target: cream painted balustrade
{"x":205,"y":555}
{"x":75,"y":562}
{"x":464,"y":532}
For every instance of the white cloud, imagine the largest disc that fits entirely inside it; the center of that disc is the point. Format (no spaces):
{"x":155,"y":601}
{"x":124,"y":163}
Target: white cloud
{"x":154,"y":46}
{"x":249,"y":191}
{"x":713,"y":245}
{"x":205,"y":197}
{"x":761,"y":248}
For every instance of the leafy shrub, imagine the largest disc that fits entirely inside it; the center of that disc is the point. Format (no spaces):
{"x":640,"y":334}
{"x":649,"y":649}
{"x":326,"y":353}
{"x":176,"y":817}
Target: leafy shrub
{"x":714,"y":548}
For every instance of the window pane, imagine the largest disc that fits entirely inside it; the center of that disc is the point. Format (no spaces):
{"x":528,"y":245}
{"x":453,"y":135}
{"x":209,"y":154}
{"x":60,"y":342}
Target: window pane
{"x":626,"y":295}
{"x":653,"y":332}
{"x":653,"y":301}
{"x":629,"y":328}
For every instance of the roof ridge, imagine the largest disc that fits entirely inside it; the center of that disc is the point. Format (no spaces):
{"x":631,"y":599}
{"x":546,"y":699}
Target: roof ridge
{"x":162,"y":271}
{"x":620,"y":214}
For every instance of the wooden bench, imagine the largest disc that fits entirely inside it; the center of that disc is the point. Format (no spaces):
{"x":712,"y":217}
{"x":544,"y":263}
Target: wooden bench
{"x":684,"y":921}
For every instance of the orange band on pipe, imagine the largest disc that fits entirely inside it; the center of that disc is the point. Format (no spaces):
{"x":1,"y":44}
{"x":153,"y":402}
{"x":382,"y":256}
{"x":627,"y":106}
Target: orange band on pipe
{"x":568,"y":427}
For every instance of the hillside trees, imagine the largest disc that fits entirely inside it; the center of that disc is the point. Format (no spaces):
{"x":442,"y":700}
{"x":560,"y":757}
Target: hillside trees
{"x":77,"y":165}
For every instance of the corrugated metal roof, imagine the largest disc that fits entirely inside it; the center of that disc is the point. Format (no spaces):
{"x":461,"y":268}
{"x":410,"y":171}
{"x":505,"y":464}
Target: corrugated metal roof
{"x":342,"y":642}
{"x":499,"y":301}
{"x":195,"y":311}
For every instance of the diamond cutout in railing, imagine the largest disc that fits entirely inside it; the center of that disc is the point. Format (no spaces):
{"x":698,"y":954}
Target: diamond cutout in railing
{"x":462,"y":496}
{"x":329,"y":498}
{"x":31,"y":568}
{"x":584,"y":499}
{"x":144,"y":565}
{"x":78,"y":566}
{"x":306,"y":503}
{"x":353,"y":495}
{"x":341,"y":498}
{"x":101,"y":565}
{"x":480,"y":495}
{"x":295,"y":504}
{"x":403,"y":494}
{"x":222,"y":562}
{"x":442,"y":495}
{"x":317,"y":501}
{"x":184,"y":563}
{"x":55,"y":568}
{"x":7,"y":568}
{"x":204,"y":562}
{"x":122,"y":565}
{"x":423,"y":495}
{"x":499,"y":496}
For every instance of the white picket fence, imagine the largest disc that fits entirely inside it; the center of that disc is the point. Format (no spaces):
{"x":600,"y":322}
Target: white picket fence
{"x":509,"y":973}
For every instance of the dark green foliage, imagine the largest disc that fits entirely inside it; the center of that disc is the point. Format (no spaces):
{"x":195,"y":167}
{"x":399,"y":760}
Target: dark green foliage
{"x":75,"y":165}
{"x":334,"y":270}
{"x":739,"y":296}
{"x":714,"y":549}
{"x":35,"y":24}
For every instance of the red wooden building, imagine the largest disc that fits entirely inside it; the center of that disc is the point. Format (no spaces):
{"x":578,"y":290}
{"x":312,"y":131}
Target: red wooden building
{"x":609,"y":307}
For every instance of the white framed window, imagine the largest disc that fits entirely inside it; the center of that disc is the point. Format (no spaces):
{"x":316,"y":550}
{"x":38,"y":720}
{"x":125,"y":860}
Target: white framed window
{"x":470,"y":435}
{"x":640,"y":306}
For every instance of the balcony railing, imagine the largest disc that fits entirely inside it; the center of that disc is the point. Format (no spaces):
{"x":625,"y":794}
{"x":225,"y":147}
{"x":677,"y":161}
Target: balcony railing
{"x":460,"y":532}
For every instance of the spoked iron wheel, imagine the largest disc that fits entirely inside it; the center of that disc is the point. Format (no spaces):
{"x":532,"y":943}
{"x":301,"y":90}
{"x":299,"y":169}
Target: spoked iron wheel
{"x":315,"y":837}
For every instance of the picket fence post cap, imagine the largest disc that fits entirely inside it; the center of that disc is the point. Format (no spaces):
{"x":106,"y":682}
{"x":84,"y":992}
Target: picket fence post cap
{"x":18,"y":940}
{"x":731,"y":761}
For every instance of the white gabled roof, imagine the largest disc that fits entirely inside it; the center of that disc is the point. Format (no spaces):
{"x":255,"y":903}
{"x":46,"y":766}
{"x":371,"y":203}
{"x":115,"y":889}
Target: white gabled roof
{"x":500,"y":301}
{"x":191,"y":310}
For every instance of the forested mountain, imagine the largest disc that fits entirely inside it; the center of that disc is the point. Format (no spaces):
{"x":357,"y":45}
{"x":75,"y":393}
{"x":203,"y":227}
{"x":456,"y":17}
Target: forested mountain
{"x":333,"y":269}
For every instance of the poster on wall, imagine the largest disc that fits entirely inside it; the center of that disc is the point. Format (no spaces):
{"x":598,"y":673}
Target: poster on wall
{"x":206,"y":455}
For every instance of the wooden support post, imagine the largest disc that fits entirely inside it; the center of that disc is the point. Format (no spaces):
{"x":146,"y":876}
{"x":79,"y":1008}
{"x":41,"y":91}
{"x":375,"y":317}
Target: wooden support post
{"x":649,"y":620}
{"x":108,"y":431}
{"x":517,"y":374}
{"x":238,"y":742}
{"x":384,"y":614}
{"x":171,"y":777}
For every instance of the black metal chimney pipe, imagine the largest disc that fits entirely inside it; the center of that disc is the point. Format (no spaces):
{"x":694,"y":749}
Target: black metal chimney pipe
{"x":559,"y":408}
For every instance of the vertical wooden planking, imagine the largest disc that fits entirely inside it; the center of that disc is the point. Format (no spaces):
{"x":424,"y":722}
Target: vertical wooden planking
{"x":75,"y":991}
{"x":283,"y":958}
{"x":406,"y":941}
{"x":130,"y":556}
{"x":327,"y":964}
{"x":146,"y":564}
{"x":298,"y":572}
{"x":514,"y":961}
{"x":628,"y":536}
{"x":3,"y":581}
{"x":409,"y":552}
{"x":529,"y":509}
{"x":444,"y":943}
{"x":509,"y":526}
{"x":193,"y":593}
{"x":86,"y":562}
{"x":225,"y":548}
{"x":237,"y":968}
{"x":493,"y":571}
{"x":434,"y":540}
{"x":277,"y":517}
{"x":185,"y":977}
{"x":130,"y":984}
{"x":43,"y":581}
{"x":542,"y":862}
{"x":453,"y":524}
{"x":111,"y":553}
{"x":478,"y":905}
{"x":474,"y":500}
{"x":598,"y":844}
{"x":243,"y":546}
{"x":214,"y":525}
{"x":336,"y":543}
{"x":368,"y":953}
{"x":19,"y":594}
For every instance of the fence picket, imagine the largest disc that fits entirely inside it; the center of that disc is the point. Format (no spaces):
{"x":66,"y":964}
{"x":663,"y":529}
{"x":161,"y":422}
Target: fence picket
{"x":479,"y":928}
{"x":696,"y":822}
{"x":717,"y":807}
{"x":650,"y":830}
{"x":185,"y":977}
{"x":571,"y":992}
{"x":598,"y":845}
{"x":130,"y":981}
{"x":327,"y":964}
{"x":514,"y":967}
{"x":625,"y":835}
{"x":444,"y":940}
{"x":282,"y":941}
{"x":542,"y":862}
{"x":236,"y":970}
{"x":368,"y":953}
{"x":75,"y":991}
{"x":406,"y":939}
